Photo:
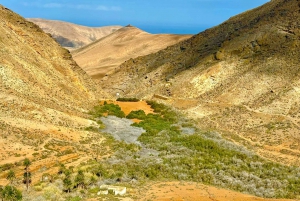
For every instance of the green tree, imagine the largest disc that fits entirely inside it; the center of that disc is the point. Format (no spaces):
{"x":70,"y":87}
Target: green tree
{"x":62,"y":168}
{"x":79,"y":179}
{"x":67,"y":183}
{"x":11,"y":176}
{"x":27,"y":174}
{"x":10,"y":193}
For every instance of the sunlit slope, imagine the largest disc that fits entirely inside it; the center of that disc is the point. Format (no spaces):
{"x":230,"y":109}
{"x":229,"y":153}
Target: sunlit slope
{"x":44,"y":94}
{"x":108,"y":53}
{"x":73,"y":36}
{"x":241,"y":77}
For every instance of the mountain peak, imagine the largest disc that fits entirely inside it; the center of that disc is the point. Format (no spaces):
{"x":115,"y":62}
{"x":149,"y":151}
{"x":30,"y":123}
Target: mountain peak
{"x":106,"y":54}
{"x":73,"y":36}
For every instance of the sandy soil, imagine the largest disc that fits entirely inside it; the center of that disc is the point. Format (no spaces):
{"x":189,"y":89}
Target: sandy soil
{"x":183,"y":191}
{"x":105,"y":55}
{"x":127,"y":107}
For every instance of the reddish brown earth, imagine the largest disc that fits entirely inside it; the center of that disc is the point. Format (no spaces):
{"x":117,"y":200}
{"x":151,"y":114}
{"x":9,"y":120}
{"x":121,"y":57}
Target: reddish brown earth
{"x":127,"y":107}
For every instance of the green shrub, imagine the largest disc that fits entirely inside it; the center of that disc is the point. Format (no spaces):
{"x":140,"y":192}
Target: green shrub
{"x":77,"y":198}
{"x":94,"y":190}
{"x":138,"y":114}
{"x":108,"y":109}
{"x":91,"y":128}
{"x":6,"y":166}
{"x":10,"y":193}
{"x":128,"y":99}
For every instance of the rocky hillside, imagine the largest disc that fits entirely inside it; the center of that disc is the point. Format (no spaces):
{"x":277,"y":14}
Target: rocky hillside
{"x":43,"y":91}
{"x":106,"y":54}
{"x":241,"y":78}
{"x":73,"y":36}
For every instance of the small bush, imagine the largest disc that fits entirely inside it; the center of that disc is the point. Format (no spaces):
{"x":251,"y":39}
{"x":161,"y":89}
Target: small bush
{"x":77,"y":198}
{"x":6,"y":166}
{"x":138,"y":114}
{"x":128,"y":99}
{"x":108,"y":109}
{"x":11,"y":193}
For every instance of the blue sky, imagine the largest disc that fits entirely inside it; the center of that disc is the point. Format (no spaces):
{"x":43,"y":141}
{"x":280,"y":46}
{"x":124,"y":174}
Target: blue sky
{"x":154,"y":16}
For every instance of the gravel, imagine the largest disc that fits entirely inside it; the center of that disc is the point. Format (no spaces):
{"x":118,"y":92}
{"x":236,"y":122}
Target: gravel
{"x":121,"y":129}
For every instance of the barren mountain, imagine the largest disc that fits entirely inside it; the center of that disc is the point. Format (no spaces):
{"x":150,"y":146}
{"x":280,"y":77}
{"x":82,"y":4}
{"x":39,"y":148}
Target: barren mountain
{"x":45,"y":97}
{"x":241,"y":78}
{"x":44,"y":94}
{"x":73,"y":36}
{"x":106,"y":54}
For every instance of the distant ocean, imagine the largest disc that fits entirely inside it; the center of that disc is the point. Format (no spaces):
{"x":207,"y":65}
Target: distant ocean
{"x":171,"y":30}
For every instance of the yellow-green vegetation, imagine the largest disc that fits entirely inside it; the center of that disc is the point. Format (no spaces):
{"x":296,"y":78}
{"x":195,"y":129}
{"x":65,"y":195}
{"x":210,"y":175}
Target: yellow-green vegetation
{"x":202,"y":156}
{"x":138,"y":114}
{"x":171,"y":148}
{"x":10,"y":193}
{"x":108,"y":109}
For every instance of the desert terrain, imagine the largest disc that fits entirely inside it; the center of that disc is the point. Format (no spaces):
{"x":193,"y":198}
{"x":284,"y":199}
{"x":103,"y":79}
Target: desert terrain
{"x":105,"y":55}
{"x":213,"y":116}
{"x":240,"y":78}
{"x":189,"y":191}
{"x":73,"y":36}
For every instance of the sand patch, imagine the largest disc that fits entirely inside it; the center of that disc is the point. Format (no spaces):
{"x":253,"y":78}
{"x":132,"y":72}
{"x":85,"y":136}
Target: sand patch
{"x":190,"y":191}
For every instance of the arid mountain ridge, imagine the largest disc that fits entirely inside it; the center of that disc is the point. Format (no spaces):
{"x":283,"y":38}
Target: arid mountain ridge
{"x":241,"y":78}
{"x":107,"y":53}
{"x":241,"y":84}
{"x":73,"y":36}
{"x":100,"y":50}
{"x":44,"y":94}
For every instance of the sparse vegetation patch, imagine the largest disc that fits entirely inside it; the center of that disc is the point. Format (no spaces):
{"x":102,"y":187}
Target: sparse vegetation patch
{"x":168,"y":147}
{"x":107,"y":109}
{"x":202,"y":156}
{"x":128,"y":99}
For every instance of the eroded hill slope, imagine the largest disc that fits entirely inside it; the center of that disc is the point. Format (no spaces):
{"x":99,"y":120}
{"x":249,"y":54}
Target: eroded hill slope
{"x":106,"y":54}
{"x":73,"y":36}
{"x":44,"y":94}
{"x":241,"y":77}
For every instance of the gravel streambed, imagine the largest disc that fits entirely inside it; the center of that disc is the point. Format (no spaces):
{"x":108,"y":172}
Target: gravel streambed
{"x":121,"y":129}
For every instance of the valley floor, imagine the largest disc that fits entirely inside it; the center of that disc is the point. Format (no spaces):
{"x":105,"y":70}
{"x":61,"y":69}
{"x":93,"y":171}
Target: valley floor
{"x":73,"y":152}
